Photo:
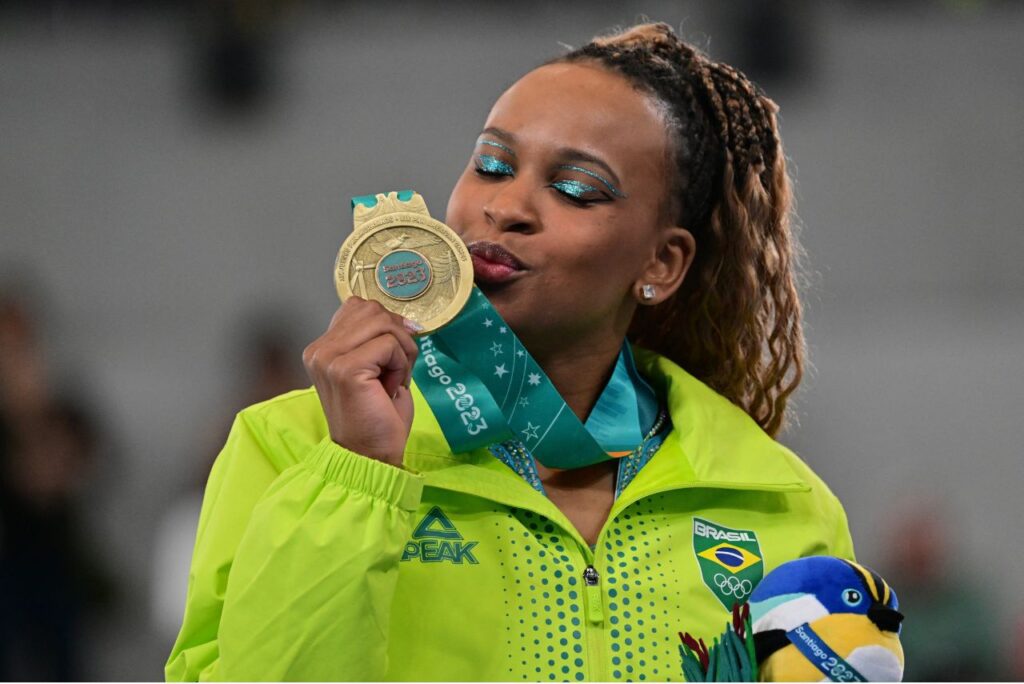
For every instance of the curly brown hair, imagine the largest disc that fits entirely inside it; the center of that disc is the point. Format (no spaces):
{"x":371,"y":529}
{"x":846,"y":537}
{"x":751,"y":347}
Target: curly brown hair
{"x":735,"y":323}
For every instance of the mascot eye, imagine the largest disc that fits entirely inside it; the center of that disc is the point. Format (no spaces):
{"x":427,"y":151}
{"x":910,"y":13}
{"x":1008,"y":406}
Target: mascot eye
{"x":851,"y":597}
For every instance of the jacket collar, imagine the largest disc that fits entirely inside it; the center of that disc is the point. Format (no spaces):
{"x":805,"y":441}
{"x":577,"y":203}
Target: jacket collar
{"x":713,"y":443}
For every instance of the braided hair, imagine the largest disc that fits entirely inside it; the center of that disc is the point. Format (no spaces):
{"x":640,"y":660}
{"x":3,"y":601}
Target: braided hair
{"x":735,"y":323}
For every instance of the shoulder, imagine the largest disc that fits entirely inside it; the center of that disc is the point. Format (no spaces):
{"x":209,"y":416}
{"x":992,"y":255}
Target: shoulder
{"x":725,"y":448}
{"x":300,"y":407}
{"x":285,"y":427}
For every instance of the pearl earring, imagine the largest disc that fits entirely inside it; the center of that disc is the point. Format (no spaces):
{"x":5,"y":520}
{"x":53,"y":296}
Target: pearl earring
{"x":647,"y":291}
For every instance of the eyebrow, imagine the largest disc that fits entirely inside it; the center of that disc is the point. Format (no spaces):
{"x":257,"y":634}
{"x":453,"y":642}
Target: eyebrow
{"x":501,"y":135}
{"x":568,"y":154}
{"x":506,"y":148}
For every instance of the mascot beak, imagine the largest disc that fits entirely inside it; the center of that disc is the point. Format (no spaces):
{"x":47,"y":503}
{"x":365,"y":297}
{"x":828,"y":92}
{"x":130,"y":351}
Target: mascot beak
{"x":886,"y":619}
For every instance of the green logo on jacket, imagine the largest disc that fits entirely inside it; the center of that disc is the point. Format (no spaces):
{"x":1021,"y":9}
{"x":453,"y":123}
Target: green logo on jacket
{"x":436,"y":540}
{"x":730,"y":560}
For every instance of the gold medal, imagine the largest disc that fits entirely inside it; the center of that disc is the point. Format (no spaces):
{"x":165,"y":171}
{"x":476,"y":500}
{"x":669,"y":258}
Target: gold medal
{"x":412,"y":264}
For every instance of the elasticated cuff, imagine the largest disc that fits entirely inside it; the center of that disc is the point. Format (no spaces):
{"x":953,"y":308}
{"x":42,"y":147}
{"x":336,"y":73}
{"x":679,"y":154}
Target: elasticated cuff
{"x":375,"y":478}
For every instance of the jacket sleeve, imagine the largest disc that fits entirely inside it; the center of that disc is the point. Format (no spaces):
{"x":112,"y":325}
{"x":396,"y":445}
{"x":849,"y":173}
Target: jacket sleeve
{"x":842,"y":547}
{"x":295,"y":564}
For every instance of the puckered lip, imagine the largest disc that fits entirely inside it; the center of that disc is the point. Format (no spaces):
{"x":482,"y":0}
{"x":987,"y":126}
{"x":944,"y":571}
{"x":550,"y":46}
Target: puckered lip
{"x":496,"y":254}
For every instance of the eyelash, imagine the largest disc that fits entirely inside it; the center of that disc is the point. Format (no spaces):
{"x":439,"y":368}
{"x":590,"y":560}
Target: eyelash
{"x":489,"y":165}
{"x":573,"y":190}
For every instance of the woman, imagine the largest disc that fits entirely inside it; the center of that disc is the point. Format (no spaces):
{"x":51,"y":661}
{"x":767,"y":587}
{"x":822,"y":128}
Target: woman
{"x":631,"y":188}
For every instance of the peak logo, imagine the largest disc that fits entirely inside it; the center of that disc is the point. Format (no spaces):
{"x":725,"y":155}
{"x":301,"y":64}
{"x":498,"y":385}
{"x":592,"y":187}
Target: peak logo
{"x":435,"y":540}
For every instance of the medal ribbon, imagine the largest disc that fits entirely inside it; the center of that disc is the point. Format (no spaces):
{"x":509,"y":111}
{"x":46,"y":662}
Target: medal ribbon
{"x":484,"y":387}
{"x":814,"y":648}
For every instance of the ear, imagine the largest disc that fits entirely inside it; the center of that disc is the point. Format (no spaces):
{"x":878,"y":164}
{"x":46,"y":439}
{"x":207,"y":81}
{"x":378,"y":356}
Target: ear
{"x":667,"y":267}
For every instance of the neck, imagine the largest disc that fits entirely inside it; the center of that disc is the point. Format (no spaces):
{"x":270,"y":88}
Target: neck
{"x":579,"y":370}
{"x":580,"y":373}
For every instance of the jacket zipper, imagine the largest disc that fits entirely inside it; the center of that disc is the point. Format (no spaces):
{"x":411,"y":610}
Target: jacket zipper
{"x":594,"y":605}
{"x":592,"y":589}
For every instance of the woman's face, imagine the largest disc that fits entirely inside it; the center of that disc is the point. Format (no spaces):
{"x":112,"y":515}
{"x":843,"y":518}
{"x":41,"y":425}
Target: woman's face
{"x":562,"y":203}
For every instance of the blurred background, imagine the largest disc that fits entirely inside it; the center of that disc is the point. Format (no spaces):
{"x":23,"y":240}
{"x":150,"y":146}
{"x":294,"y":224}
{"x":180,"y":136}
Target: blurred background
{"x":174,"y":184}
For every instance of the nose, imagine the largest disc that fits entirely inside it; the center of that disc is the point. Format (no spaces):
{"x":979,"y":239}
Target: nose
{"x":511,"y":208}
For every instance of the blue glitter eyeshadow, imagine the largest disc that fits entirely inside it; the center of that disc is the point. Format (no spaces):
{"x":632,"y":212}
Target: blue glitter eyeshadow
{"x":614,"y":190}
{"x":492,"y":165}
{"x":481,"y":141}
{"x":573,"y":188}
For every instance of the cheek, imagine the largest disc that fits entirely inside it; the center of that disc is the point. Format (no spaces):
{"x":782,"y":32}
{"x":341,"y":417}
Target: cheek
{"x":610,"y":254}
{"x":594,"y":273}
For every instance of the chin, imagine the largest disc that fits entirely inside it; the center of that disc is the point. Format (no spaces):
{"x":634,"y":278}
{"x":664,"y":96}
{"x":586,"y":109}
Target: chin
{"x":509,"y":310}
{"x":505,"y":298}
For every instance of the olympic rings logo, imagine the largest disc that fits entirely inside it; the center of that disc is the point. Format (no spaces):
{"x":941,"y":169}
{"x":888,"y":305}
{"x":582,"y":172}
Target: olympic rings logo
{"x":732,"y":586}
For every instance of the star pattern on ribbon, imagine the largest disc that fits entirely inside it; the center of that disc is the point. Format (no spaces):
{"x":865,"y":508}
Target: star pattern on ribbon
{"x":517,"y":387}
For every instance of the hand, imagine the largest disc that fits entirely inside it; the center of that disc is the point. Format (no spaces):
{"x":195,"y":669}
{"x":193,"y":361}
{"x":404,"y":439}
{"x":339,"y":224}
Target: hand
{"x":362,"y":367}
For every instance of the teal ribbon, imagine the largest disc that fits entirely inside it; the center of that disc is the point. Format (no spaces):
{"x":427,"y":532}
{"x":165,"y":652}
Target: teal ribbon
{"x":484,"y":388}
{"x":626,"y":409}
{"x":370,"y":201}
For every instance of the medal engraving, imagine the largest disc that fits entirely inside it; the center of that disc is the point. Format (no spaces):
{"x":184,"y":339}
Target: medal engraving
{"x":410,"y":263}
{"x":404,"y":274}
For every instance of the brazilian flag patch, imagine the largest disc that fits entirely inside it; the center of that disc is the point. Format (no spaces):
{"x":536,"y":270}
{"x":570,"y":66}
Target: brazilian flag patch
{"x":730,"y":560}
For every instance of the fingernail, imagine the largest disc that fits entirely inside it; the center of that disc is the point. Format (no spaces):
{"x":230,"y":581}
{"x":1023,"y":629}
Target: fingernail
{"x":412,"y":325}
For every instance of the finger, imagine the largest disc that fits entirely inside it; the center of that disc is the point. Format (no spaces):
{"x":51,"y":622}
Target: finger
{"x":382,"y":358}
{"x":329,"y":362}
{"x":349,"y":334}
{"x":406,"y":328}
{"x":361,"y":311}
{"x":353,"y":308}
{"x":339,"y":312}
{"x":395,"y":370}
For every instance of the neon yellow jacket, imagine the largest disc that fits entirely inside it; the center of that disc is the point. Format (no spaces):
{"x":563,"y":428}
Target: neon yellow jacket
{"x":315,"y":563}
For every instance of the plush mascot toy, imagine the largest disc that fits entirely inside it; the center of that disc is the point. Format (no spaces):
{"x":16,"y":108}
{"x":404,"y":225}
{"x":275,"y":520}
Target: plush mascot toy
{"x":811,"y":619}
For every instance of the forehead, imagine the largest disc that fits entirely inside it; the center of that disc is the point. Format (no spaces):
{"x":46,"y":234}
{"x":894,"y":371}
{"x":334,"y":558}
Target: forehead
{"x":585,"y":107}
